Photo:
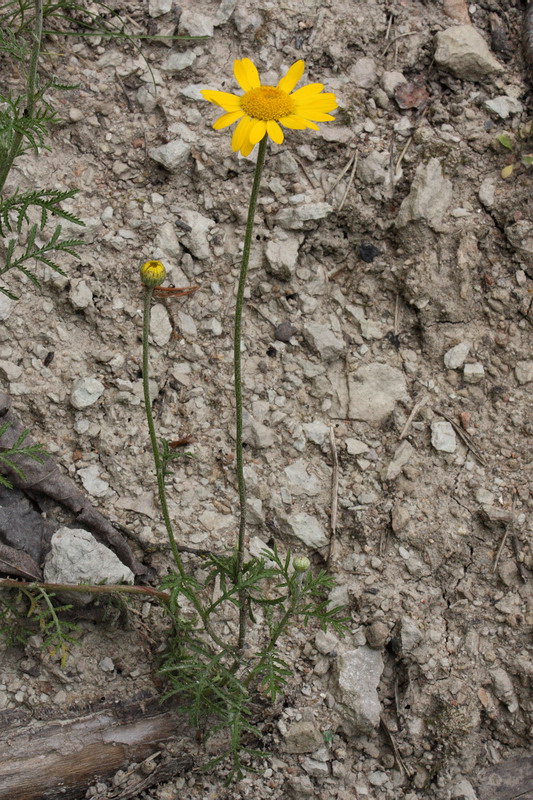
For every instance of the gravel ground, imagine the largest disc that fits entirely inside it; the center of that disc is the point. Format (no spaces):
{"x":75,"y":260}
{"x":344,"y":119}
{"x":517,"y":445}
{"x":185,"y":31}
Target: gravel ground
{"x":388,"y":322}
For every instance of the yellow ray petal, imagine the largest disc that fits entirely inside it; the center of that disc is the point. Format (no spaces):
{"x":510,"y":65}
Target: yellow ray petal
{"x":251,"y":73}
{"x":297,"y":123}
{"x":294,"y":73}
{"x":274,"y":131}
{"x":227,"y":101}
{"x":241,"y":75}
{"x":311,"y":90}
{"x":247,"y":148}
{"x":257,"y":131}
{"x":317,"y":116}
{"x":240,"y":134}
{"x":228,"y":119}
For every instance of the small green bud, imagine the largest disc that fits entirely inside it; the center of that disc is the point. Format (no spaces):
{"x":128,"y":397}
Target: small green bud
{"x":153,"y":273}
{"x":301,"y":564}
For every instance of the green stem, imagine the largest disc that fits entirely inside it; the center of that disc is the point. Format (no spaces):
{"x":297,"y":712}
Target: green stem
{"x":31,"y":91}
{"x":153,"y":436}
{"x":239,"y":304}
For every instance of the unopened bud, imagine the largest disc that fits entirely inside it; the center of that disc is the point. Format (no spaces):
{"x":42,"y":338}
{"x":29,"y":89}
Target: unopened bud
{"x":153,"y":273}
{"x":301,"y":564}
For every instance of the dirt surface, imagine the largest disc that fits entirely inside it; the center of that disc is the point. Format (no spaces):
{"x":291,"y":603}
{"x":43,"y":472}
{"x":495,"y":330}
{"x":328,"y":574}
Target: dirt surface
{"x":378,"y":290}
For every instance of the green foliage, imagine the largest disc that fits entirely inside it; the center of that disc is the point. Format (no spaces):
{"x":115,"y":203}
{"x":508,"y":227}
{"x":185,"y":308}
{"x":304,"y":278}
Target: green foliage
{"x":505,"y":140}
{"x":34,"y":451}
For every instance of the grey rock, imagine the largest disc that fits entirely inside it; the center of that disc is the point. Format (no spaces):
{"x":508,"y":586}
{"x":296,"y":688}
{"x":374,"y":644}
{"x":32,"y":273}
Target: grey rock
{"x":504,"y":689}
{"x":92,"y":483}
{"x":473,"y":373}
{"x":487,"y":192}
{"x":377,"y":634}
{"x":463,"y":51}
{"x":429,"y":197}
{"x":255,"y":433}
{"x":76,"y":557}
{"x":224,"y":11}
{"x":326,"y":642}
{"x":390,"y":81}
{"x":318,"y":769}
{"x":443,"y":436}
{"x":407,"y":636}
{"x":520,"y":236}
{"x":358,"y":673}
{"x":305,"y":527}
{"x":295,"y":217}
{"x":463,"y":790}
{"x":176,"y":62}
{"x":371,"y":330}
{"x":401,"y":457}
{"x":85,"y":392}
{"x":504,"y":106}
{"x":374,"y":169}
{"x":80,"y":294}
{"x":363,"y":73}
{"x":156,"y":8}
{"x":355,"y":447}
{"x":106,"y":664}
{"x":284,"y":331}
{"x":317,"y":431}
{"x":196,"y":239}
{"x":6,"y":307}
{"x":10,"y":371}
{"x":302,"y":737}
{"x":196,"y":24}
{"x":282,"y":256}
{"x":524,"y":371}
{"x":323,"y":341}
{"x":300,"y":786}
{"x":173,"y":155}
{"x":374,"y":391}
{"x":160,"y":325}
{"x":299,"y":481}
{"x":167,"y":244}
{"x":454,"y":358}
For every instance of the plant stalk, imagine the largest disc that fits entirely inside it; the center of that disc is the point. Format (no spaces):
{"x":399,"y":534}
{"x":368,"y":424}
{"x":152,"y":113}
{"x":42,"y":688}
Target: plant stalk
{"x":31,"y":90}
{"x":239,"y":305}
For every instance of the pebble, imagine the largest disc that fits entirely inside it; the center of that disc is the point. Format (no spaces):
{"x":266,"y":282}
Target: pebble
{"x":157,"y":8}
{"x":356,"y":447}
{"x":11,"y":372}
{"x":302,"y":737}
{"x":455,"y":357}
{"x":299,"y":481}
{"x":106,"y":664}
{"x":196,"y":24}
{"x":256,"y":434}
{"x":282,"y":256}
{"x":377,"y":634}
{"x":323,"y":341}
{"x":504,"y":689}
{"x":401,"y":457}
{"x":284,"y":331}
{"x":76,"y":557}
{"x":473,"y":373}
{"x":173,"y":155}
{"x":6,"y":307}
{"x":295,"y":217}
{"x":390,"y":81}
{"x":524,"y":372}
{"x":363,"y":73}
{"x":80,"y":294}
{"x":317,"y":432}
{"x":504,"y":106}
{"x":463,"y":51}
{"x":195,"y":240}
{"x":92,"y":483}
{"x":429,"y":197}
{"x":443,"y":436}
{"x":358,"y":673}
{"x":407,"y":636}
{"x":305,"y":528}
{"x":374,"y":391}
{"x":85,"y":392}
{"x":75,"y":114}
{"x":373,"y":170}
{"x":160,"y":325}
{"x":176,"y":62}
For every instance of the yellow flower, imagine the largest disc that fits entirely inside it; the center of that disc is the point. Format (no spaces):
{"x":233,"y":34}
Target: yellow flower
{"x":153,"y":273}
{"x":262,"y":109}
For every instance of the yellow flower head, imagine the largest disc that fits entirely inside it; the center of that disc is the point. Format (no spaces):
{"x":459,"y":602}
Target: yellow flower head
{"x":153,"y":273}
{"x":262,"y":109}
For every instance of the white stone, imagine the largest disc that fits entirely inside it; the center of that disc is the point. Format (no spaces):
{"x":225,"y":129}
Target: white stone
{"x":160,"y":325}
{"x":401,"y":457}
{"x":92,"y":483}
{"x":255,"y":433}
{"x":186,"y":325}
{"x":358,"y":673}
{"x":176,"y":62}
{"x":463,"y":51}
{"x":80,"y":294}
{"x":454,"y":358}
{"x":504,"y":106}
{"x":166,"y":242}
{"x":356,"y":447}
{"x":173,"y":155}
{"x":86,"y":392}
{"x":317,"y":432}
{"x":363,"y":72}
{"x":305,"y":527}
{"x":76,"y":557}
{"x":195,"y":24}
{"x":371,"y":330}
{"x":11,"y":372}
{"x":6,"y":306}
{"x":282,"y":256}
{"x":295,"y":217}
{"x":157,"y":8}
{"x":374,"y":391}
{"x":429,"y":197}
{"x":323,"y":341}
{"x":524,"y":371}
{"x":195,"y":240}
{"x":390,"y":81}
{"x":299,"y":481}
{"x":443,"y":436}
{"x":374,"y":169}
{"x":473,"y":373}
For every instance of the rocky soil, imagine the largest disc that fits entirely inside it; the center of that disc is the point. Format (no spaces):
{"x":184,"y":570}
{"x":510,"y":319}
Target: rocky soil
{"x":388,"y":323}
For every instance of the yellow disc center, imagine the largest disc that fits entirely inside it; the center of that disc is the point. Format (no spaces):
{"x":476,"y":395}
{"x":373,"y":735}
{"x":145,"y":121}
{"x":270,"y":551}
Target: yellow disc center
{"x":266,"y":103}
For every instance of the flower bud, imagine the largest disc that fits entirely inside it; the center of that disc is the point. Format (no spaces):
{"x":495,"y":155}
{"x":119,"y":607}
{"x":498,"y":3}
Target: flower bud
{"x":153,"y":273}
{"x":301,"y":564}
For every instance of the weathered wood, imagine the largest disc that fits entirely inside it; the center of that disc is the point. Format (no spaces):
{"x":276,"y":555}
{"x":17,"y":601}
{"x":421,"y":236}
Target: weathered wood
{"x":49,"y":759}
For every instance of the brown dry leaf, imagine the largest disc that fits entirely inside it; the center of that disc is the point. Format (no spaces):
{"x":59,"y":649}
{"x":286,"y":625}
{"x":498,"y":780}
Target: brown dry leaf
{"x":412,"y":94}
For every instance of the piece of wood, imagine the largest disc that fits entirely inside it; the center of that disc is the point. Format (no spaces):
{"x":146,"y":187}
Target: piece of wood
{"x":60,"y":758}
